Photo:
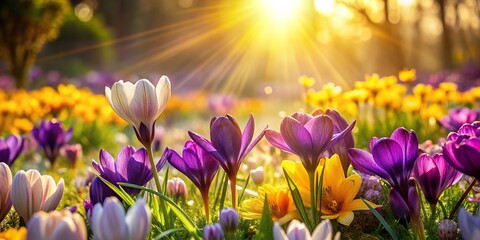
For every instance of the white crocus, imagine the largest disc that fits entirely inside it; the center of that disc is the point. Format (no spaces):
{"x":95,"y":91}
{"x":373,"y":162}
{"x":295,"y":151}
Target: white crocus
{"x":139,"y":103}
{"x":298,"y":231}
{"x":56,"y":225}
{"x":109,"y":220}
{"x":31,"y":192}
{"x":5,"y":185}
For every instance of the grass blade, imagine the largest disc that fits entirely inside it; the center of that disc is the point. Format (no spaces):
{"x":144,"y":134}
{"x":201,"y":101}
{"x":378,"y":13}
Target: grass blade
{"x":382,"y":220}
{"x":297,"y":200}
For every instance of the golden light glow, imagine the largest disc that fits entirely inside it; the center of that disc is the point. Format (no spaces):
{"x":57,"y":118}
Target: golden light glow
{"x":325,"y":7}
{"x":280,"y":10}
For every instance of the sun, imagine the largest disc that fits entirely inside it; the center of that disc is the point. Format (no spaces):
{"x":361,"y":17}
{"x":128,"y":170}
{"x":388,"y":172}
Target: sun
{"x":280,"y":11}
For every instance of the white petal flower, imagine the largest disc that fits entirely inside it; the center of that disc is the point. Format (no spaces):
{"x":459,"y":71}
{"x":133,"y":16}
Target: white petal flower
{"x":32,"y":192}
{"x":298,"y":231}
{"x":141,"y":102}
{"x":56,"y":225}
{"x":5,"y":185}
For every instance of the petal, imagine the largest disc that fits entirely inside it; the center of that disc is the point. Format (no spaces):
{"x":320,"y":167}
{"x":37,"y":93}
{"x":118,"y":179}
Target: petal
{"x":299,"y":140}
{"x":163,"y":91}
{"x":21,"y":195}
{"x":207,"y":147}
{"x":226,"y":138}
{"x":276,"y":139}
{"x":389,"y":156}
{"x":365,"y":163}
{"x":121,"y":94}
{"x":54,"y":199}
{"x":345,"y":218}
{"x":113,"y":220}
{"x":144,"y":104}
{"x":321,"y":131}
{"x":358,"y":204}
{"x":138,"y":220}
{"x":323,"y":231}
{"x":409,"y":143}
{"x":278,"y":233}
{"x":247,"y":135}
{"x":107,"y":162}
{"x":349,"y":188}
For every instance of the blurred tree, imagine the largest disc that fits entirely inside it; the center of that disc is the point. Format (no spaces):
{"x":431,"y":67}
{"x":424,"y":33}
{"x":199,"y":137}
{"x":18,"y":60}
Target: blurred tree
{"x":26,"y":25}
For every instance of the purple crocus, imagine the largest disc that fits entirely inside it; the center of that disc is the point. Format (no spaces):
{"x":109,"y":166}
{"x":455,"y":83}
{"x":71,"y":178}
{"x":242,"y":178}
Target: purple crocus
{"x":51,"y":136}
{"x":434,"y":175}
{"x":198,"y":166}
{"x":462,"y":149}
{"x":307,"y":136}
{"x":392,"y":159}
{"x":342,"y":146}
{"x":132,"y":166}
{"x":457,"y":117}
{"x":10,"y":148}
{"x":228,"y":145}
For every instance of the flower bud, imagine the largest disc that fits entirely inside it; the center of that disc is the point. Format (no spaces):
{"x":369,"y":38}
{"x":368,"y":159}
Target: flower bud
{"x":56,"y":225}
{"x":447,"y":230}
{"x":213,"y":232}
{"x":73,"y":152}
{"x":229,"y":220}
{"x":257,"y":175}
{"x":176,"y":187}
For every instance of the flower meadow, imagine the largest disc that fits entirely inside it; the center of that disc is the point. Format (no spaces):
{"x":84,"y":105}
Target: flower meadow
{"x":389,"y":159}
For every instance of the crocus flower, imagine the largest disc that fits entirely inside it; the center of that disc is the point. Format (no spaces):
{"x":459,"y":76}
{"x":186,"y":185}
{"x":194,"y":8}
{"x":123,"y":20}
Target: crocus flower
{"x":338,"y":191}
{"x":434,"y":175}
{"x":462,"y":149}
{"x":51,"y":136}
{"x":56,"y":225}
{"x":307,"y":136}
{"x":447,"y":229}
{"x":177,"y":188}
{"x":132,"y":166}
{"x":257,"y":175}
{"x":109,"y":220}
{"x":14,"y":234}
{"x":213,"y":232}
{"x":198,"y":166}
{"x":228,"y":145}
{"x":10,"y":148}
{"x":457,"y":117}
{"x":392,"y":159}
{"x":280,"y":203}
{"x":229,"y":220}
{"x":73,"y":152}
{"x":469,"y":225}
{"x":298,"y":230}
{"x":5,"y":185}
{"x":32,"y":192}
{"x":342,"y":146}
{"x":140,"y":104}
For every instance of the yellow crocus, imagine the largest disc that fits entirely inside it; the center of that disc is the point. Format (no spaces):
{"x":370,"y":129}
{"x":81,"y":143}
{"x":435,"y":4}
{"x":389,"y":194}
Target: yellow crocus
{"x":305,"y":81}
{"x":338,"y":191}
{"x":14,"y":234}
{"x":407,"y":75}
{"x":280,"y":204}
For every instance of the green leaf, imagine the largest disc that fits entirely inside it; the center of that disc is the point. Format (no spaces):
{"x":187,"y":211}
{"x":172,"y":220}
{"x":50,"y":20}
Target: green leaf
{"x":181,"y":215}
{"x":265,"y":230}
{"x":297,"y":200}
{"x":168,"y":232}
{"x":382,"y":221}
{"x":243,"y":190}
{"x":118,"y":190}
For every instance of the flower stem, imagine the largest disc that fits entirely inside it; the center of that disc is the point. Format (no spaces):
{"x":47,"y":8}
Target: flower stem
{"x":417,"y":226}
{"x":460,"y":201}
{"x":154,"y":168}
{"x":233,"y":189}
{"x":313,"y":193}
{"x":205,"y":205}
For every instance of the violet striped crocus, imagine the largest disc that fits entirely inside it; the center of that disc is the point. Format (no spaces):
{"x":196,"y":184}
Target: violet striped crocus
{"x":393,"y":160}
{"x":32,"y":192}
{"x":10,"y":148}
{"x":5,"y":185}
{"x":342,"y":146}
{"x":469,"y":225}
{"x":51,"y":136}
{"x":198,"y":166}
{"x":307,"y":136}
{"x":462,"y":149}
{"x":434,"y":175}
{"x":228,"y":145}
{"x":457,"y":117}
{"x":140,"y":104}
{"x":109,"y":221}
{"x":132,"y":166}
